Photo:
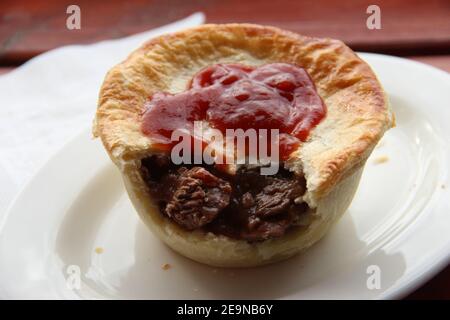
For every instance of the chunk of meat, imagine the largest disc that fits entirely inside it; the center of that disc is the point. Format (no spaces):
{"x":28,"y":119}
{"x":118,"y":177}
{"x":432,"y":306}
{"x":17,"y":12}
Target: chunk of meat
{"x":262,"y":230}
{"x":247,"y":200}
{"x":198,"y":198}
{"x":277,"y":196}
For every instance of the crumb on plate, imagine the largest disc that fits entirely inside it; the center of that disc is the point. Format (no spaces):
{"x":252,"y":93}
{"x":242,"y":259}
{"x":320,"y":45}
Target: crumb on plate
{"x":381,"y":159}
{"x":98,"y":250}
{"x":166,"y":266}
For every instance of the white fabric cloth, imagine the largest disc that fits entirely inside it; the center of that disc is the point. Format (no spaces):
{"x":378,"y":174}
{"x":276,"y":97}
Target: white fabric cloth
{"x":52,"y":98}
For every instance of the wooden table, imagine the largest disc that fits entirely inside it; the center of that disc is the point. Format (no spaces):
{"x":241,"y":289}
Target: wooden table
{"x":415,"y":29}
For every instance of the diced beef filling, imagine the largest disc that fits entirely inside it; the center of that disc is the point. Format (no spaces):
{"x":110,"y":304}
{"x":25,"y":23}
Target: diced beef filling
{"x":246,"y":205}
{"x":262,"y":207}
{"x":191,"y":197}
{"x":198,"y":199}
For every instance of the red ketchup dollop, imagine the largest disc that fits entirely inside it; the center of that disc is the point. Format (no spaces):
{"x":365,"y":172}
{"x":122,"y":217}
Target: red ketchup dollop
{"x":233,"y":96}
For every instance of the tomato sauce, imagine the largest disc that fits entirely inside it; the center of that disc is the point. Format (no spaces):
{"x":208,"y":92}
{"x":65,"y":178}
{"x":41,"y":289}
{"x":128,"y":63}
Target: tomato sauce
{"x":232,"y":96}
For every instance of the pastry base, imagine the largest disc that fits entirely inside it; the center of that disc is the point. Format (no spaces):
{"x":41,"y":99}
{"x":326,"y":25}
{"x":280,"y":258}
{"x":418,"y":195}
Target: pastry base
{"x":222,"y":251}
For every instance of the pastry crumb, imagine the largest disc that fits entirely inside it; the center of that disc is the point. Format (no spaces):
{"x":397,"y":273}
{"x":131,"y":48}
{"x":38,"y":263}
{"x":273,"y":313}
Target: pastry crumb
{"x":381,"y":159}
{"x":99,"y":250}
{"x":195,"y":289}
{"x":443,"y":186}
{"x":214,"y":271}
{"x":166,"y":266}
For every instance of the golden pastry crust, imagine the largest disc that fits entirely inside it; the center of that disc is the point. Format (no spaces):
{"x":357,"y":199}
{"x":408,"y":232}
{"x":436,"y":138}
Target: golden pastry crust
{"x":357,"y":108}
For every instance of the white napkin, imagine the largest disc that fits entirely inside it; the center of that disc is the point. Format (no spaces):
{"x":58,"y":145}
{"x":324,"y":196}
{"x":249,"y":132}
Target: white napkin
{"x":52,"y":98}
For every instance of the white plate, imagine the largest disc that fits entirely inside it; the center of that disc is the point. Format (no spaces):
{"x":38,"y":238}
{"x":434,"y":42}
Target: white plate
{"x":399,"y":221}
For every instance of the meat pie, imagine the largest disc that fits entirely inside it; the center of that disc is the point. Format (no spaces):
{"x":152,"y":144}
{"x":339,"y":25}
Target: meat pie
{"x":324,"y":105}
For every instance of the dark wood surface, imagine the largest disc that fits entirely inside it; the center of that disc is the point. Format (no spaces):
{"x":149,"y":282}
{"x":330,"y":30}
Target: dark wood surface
{"x":415,"y":29}
{"x":408,"y":26}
